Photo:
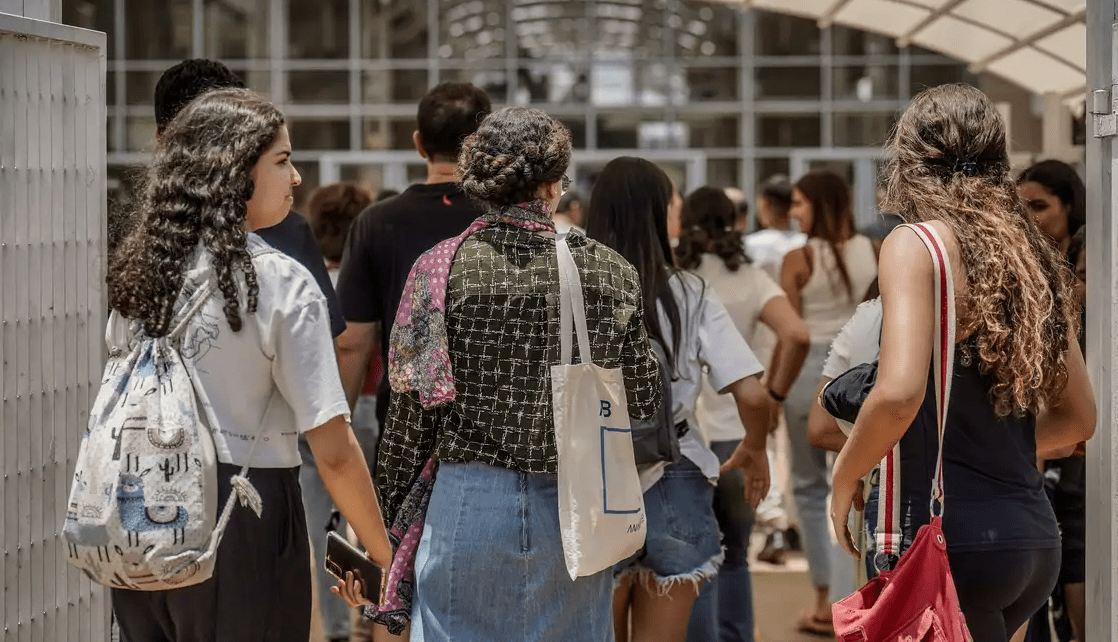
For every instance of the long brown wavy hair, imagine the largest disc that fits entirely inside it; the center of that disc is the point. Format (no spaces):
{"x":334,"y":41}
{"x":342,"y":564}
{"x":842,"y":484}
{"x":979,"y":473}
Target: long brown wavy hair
{"x":949,"y":163}
{"x":195,"y":193}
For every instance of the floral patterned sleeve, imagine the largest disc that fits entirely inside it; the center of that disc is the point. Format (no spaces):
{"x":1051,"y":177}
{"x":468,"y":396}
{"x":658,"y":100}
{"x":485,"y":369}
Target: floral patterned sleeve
{"x":406,"y":443}
{"x":641,"y":369}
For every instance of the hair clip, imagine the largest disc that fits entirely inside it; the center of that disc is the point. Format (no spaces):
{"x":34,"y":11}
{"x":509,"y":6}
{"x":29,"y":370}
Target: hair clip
{"x":968,"y":167}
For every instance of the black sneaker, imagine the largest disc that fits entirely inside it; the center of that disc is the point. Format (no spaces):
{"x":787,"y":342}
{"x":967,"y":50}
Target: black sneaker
{"x":792,"y":538}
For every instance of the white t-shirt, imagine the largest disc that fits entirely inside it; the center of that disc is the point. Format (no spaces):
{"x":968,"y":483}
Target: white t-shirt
{"x":744,"y":293}
{"x":711,"y":343}
{"x":766,"y":248}
{"x":278,"y":372}
{"x":858,"y":342}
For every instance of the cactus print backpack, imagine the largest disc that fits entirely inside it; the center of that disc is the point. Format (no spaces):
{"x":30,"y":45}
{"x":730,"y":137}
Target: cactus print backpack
{"x":143,"y":505}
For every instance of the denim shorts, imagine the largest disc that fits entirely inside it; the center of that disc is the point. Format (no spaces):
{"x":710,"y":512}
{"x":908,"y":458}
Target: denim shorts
{"x":490,"y":566}
{"x":683,"y":542}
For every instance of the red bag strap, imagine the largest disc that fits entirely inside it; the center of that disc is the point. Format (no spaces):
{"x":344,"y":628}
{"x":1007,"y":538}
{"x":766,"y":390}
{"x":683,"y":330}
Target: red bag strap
{"x":889,"y":534}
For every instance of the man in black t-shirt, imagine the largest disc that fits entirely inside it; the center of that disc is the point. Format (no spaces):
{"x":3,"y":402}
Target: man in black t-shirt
{"x":184,"y":82}
{"x":389,"y":236}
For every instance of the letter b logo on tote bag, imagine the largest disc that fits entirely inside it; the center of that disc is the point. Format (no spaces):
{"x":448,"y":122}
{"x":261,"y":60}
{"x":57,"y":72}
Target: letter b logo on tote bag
{"x":601,"y":506}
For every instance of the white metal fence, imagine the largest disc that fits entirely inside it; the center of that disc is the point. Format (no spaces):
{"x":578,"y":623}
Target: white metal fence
{"x":52,"y":306}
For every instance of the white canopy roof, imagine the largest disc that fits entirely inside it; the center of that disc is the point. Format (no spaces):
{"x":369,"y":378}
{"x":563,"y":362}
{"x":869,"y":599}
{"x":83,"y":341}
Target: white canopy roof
{"x":1040,"y":45}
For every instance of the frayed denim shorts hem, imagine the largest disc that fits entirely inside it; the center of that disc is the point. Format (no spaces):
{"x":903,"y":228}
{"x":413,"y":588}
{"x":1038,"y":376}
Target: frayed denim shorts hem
{"x":683,"y":542}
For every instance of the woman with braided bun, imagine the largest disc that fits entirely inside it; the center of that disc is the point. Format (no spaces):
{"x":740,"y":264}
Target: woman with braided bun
{"x":475,"y":336}
{"x":1019,"y":383}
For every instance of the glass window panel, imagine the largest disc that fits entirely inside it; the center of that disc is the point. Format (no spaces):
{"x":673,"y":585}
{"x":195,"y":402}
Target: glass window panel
{"x":626,"y":82}
{"x":551,"y":30}
{"x":157,"y":30}
{"x":769,"y":167}
{"x":724,"y":172}
{"x":308,"y":171}
{"x":617,"y":131}
{"x":309,"y":134}
{"x":110,"y":88}
{"x":383,"y":132}
{"x":318,"y":29}
{"x":866,"y":82}
{"x":713,"y":83}
{"x":397,"y":85}
{"x":258,"y":80}
{"x":559,"y":82}
{"x":578,"y":131}
{"x":641,"y":30}
{"x":792,"y":130}
{"x":140,"y":87}
{"x":236,"y":29}
{"x":788,"y":82}
{"x":924,"y":76}
{"x":139,"y":133}
{"x":857,"y":130}
{"x":91,"y":14}
{"x":492,"y":79}
{"x":393,"y":29}
{"x":473,"y":30}
{"x":713,"y":131}
{"x":855,"y":42}
{"x":318,"y":86}
{"x":777,"y":34}
{"x":705,"y":29}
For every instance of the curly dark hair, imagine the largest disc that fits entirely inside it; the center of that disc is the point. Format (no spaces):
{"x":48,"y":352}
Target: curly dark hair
{"x":195,"y":192}
{"x":331,"y":210}
{"x":708,"y":227}
{"x":184,"y":82}
{"x":949,"y":163}
{"x":513,"y":153}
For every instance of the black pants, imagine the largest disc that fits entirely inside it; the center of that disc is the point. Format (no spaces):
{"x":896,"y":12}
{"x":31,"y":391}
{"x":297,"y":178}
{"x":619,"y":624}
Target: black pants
{"x":1000,"y":590}
{"x":261,"y":587}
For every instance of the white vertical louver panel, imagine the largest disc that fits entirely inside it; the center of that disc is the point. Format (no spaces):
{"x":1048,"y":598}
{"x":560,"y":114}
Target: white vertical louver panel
{"x":52,"y":311}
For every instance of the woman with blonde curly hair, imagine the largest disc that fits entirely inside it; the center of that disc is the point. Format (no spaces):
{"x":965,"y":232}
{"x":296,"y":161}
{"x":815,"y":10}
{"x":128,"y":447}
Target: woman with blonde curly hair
{"x":475,"y":337}
{"x":1019,"y":383}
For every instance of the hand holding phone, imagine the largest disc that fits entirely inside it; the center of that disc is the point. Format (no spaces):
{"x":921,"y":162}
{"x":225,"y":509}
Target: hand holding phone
{"x":343,"y":558}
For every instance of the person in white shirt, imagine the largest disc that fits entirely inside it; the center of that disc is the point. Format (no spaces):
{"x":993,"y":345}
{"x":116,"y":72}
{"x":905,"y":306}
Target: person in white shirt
{"x":777,"y":237}
{"x":713,"y":249}
{"x":825,"y":280}
{"x":262,"y":356}
{"x":635,"y":210}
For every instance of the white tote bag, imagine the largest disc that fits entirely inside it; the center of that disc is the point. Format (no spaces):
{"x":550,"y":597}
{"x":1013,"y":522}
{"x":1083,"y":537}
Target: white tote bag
{"x":601,"y":507}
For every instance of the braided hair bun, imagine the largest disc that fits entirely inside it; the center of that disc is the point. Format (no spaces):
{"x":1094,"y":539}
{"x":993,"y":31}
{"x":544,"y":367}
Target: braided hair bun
{"x":514,"y":152}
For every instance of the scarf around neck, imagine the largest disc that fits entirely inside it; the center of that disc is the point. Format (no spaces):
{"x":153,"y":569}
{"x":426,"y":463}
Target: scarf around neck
{"x":418,"y":353}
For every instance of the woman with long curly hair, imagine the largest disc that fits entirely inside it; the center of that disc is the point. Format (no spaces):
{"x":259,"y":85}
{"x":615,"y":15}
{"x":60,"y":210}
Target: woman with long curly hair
{"x":263,"y":362}
{"x":1019,"y":383}
{"x":475,"y":338}
{"x":711,"y":247}
{"x":825,"y":281}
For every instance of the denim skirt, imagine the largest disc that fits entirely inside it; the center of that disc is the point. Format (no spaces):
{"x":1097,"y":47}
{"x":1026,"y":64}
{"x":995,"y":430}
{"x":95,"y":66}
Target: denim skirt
{"x":489,"y":567}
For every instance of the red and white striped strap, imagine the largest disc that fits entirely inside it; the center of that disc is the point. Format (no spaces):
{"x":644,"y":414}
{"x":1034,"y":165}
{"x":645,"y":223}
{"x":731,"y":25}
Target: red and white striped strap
{"x":888,"y":535}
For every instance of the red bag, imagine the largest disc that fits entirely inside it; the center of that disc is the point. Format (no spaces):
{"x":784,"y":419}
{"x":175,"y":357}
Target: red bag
{"x":916,"y":601}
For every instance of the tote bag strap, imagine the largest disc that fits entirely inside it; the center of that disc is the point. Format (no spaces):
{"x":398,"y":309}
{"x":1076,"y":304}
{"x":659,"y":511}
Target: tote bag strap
{"x":889,"y":534}
{"x":572,"y":306}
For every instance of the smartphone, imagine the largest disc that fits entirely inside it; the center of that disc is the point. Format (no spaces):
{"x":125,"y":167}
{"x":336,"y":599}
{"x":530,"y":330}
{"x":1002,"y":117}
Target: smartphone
{"x":341,"y":556}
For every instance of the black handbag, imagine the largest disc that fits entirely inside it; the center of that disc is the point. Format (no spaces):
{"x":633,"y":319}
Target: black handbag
{"x":844,"y":395}
{"x":657,"y":438}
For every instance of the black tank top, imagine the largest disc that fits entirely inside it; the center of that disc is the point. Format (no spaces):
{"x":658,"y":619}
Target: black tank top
{"x":994,"y":493}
